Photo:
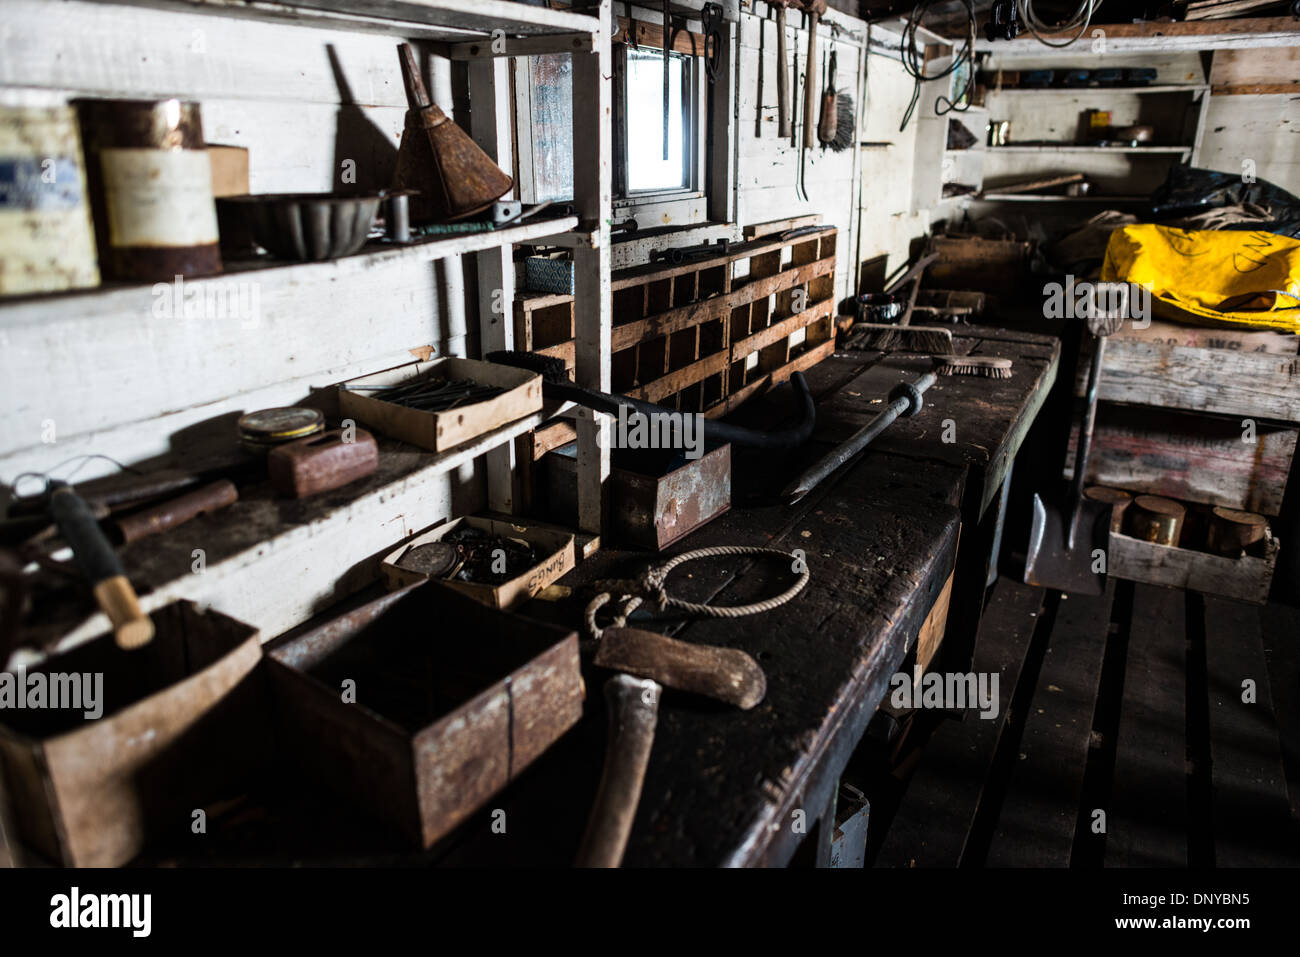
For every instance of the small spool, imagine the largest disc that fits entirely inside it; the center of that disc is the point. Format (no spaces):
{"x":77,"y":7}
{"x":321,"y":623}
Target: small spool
{"x":1116,"y":498}
{"x":1155,"y":519}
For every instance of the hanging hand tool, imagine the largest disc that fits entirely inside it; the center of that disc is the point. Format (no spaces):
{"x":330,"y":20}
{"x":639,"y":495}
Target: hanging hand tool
{"x":101,"y":567}
{"x":814,"y":10}
{"x":784,"y":125}
{"x":711,"y":18}
{"x":668,"y":42}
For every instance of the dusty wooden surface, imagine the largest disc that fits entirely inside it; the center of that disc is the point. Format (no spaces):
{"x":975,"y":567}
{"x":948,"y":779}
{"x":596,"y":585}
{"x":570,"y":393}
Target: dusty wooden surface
{"x":880,"y":536}
{"x":725,"y":786}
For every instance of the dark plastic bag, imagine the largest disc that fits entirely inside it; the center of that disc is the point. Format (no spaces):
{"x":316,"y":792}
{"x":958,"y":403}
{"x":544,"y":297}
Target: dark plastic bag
{"x":1188,"y":191}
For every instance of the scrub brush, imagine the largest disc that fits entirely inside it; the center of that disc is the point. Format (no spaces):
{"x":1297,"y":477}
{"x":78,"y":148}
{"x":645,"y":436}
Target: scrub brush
{"x":838,"y":119}
{"x":988,"y":366}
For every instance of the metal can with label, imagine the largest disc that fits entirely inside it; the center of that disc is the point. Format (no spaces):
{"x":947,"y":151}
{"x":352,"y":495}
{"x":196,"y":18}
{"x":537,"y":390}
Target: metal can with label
{"x":46,"y":240}
{"x":151,"y":189}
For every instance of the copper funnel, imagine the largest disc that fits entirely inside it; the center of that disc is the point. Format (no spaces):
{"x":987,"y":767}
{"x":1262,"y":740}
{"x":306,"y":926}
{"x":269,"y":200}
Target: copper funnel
{"x":438,"y":160}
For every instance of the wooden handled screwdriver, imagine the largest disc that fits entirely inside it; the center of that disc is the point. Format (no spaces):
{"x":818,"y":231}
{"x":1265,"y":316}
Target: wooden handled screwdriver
{"x":99,"y":563}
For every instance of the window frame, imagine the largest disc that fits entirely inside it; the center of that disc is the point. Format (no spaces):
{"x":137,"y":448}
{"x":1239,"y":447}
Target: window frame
{"x":685,"y":207}
{"x":687,"y":203}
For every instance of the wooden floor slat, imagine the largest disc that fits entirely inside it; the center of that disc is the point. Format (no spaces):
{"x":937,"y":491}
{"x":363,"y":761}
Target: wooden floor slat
{"x":932,"y":824}
{"x":1036,"y":824}
{"x":1147,"y":816}
{"x":1252,"y":824}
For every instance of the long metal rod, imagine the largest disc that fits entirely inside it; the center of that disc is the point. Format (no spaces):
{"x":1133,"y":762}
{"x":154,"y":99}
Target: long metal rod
{"x":1085,"y":440}
{"x":811,"y":477}
{"x":668,"y":33}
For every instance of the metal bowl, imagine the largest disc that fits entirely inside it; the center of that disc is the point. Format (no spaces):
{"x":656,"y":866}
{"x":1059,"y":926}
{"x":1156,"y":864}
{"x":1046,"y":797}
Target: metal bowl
{"x":309,"y":226}
{"x":879,"y":307}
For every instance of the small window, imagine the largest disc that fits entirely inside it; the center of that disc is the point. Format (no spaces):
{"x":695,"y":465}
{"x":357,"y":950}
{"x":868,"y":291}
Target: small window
{"x":648,"y":186}
{"x":647,"y":167}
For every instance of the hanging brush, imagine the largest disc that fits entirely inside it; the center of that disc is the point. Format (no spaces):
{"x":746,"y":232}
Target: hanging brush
{"x":838,"y":119}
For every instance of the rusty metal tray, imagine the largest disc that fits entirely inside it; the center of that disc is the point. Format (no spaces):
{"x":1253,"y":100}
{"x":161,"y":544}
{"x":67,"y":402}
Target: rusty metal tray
{"x":421,"y":705}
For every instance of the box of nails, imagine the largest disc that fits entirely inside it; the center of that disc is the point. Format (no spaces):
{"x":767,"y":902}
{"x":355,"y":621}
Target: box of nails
{"x":441,"y":404}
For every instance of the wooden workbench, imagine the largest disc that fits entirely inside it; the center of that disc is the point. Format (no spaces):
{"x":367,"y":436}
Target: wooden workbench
{"x":881,"y":539}
{"x":724,"y":787}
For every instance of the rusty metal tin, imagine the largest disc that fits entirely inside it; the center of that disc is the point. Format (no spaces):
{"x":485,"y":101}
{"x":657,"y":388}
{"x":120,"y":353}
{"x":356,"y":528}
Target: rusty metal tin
{"x":652,"y":503}
{"x":1116,"y":498}
{"x":151,"y":189}
{"x":1155,"y":519}
{"x":46,"y":240}
{"x":263,"y":430}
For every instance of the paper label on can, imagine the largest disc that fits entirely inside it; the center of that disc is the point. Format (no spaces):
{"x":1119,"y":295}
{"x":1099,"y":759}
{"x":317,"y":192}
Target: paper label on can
{"x":39,"y":183}
{"x":159,"y":197}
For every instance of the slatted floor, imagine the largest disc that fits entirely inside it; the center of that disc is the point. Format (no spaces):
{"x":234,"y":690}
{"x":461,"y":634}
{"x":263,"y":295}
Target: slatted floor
{"x":1123,"y":739}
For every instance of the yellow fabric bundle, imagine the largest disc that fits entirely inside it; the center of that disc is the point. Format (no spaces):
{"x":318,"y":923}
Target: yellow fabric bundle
{"x":1239,"y":277}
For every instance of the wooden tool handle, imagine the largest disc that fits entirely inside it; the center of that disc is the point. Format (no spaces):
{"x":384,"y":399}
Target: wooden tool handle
{"x":160,"y":518}
{"x":132,"y":628}
{"x":782,"y":77}
{"x":724,"y":674}
{"x":809,"y":89}
{"x":100,"y":564}
{"x":633,"y":713}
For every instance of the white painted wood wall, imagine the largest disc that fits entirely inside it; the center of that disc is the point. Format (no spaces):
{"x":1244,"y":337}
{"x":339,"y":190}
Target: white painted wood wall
{"x":768,"y":166}
{"x":108,"y":375}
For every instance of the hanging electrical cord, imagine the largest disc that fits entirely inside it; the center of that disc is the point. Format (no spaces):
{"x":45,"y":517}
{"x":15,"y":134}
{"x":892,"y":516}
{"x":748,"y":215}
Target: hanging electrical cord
{"x":914,"y":62}
{"x":1082,"y":17}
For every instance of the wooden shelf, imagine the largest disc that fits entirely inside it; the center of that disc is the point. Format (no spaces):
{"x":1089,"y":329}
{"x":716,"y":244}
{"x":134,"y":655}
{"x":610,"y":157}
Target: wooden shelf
{"x":256,"y":548}
{"x":272,"y":275}
{"x":1073,"y":148}
{"x":1031,"y":198}
{"x":1245,"y":33}
{"x":448,"y":20}
{"x":1079,"y":90}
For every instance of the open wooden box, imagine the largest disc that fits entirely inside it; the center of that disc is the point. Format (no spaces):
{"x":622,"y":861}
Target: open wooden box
{"x":557,"y":547}
{"x":180,"y":720}
{"x":439,"y":431}
{"x":452,"y":700}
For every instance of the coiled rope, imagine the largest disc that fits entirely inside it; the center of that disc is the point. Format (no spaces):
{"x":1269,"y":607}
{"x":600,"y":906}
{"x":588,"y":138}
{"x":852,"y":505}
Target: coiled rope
{"x":650,"y":587}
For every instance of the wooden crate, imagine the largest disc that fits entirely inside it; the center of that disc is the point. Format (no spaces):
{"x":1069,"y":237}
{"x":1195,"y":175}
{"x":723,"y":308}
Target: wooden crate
{"x":706,"y":335}
{"x":1247,"y":578}
{"x":1188,"y":456}
{"x":557,"y":547}
{"x":1244,"y":373}
{"x":453,"y":700}
{"x":181,"y":721}
{"x":439,"y":431}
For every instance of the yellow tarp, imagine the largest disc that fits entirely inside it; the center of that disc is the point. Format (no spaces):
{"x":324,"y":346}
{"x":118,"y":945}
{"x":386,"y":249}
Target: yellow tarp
{"x":1240,"y":277}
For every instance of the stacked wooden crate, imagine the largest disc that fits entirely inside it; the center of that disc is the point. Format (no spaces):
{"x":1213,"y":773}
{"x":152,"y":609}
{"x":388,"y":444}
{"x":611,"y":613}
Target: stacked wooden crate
{"x":1209,"y":417}
{"x":705,"y":335}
